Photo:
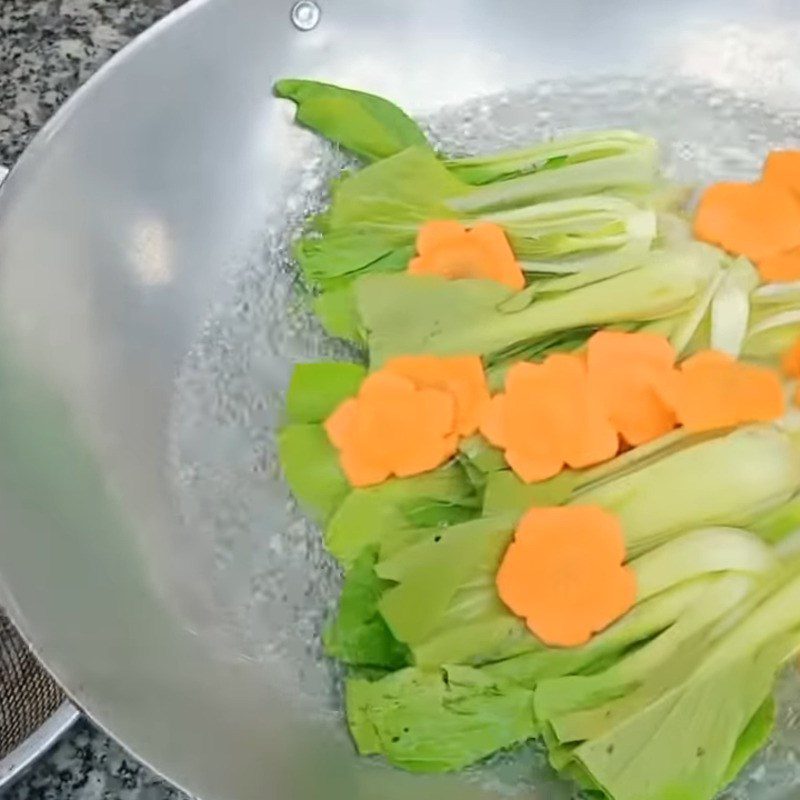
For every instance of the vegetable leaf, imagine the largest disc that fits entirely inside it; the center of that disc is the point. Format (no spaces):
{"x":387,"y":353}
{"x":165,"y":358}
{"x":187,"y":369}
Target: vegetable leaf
{"x":315,"y":390}
{"x":366,"y":124}
{"x":310,"y":462}
{"x":374,"y":215}
{"x":445,"y":605}
{"x":438,"y":720}
{"x":311,"y":468}
{"x":403,"y":313}
{"x":383,"y":514}
{"x":358,"y":635}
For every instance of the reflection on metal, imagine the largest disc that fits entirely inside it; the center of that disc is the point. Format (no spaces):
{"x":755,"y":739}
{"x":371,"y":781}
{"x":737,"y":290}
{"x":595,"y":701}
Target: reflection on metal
{"x":152,"y":252}
{"x":305,"y":15}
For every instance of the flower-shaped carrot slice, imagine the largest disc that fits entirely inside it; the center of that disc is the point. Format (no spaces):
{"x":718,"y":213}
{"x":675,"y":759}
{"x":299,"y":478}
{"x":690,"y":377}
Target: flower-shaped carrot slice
{"x":711,"y":390}
{"x":624,"y":370}
{"x":392,"y":428}
{"x":790,"y":363}
{"x":757,"y":220}
{"x":564,"y":573}
{"x":780,"y":267}
{"x":782,"y":167}
{"x":547,"y":417}
{"x":462,"y":376}
{"x":448,"y":249}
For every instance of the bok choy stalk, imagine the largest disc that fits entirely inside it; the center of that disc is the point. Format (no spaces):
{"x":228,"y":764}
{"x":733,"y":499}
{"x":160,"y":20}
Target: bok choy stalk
{"x":580,"y":164}
{"x":774,"y":323}
{"x":727,"y":481}
{"x":744,"y":477}
{"x":680,"y":716}
{"x":730,"y":307}
{"x":375,"y":214}
{"x":402,"y":313}
{"x":576,"y":234}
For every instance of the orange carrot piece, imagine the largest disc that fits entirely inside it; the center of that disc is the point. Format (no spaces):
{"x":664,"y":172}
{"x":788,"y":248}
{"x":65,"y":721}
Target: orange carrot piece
{"x":624,"y":370}
{"x":711,"y":390}
{"x":461,"y":376}
{"x":448,"y":249}
{"x":392,"y":428}
{"x":586,"y":434}
{"x":790,"y":363}
{"x":547,"y":417}
{"x":756,"y":220}
{"x":780,"y":267}
{"x":564,"y":573}
{"x":438,"y":233}
{"x":782,"y":168}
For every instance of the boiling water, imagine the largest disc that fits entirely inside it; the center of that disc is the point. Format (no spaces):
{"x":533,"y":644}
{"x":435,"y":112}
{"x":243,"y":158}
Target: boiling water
{"x":266,"y":581}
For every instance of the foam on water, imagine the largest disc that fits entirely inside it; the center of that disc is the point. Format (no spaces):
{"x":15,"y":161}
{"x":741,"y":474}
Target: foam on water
{"x":267,"y":581}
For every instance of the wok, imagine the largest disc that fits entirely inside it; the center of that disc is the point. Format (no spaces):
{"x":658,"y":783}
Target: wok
{"x":149,"y":550}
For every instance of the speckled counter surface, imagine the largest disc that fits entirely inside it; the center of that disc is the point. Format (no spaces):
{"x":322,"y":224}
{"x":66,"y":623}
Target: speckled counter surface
{"x":47,"y":49}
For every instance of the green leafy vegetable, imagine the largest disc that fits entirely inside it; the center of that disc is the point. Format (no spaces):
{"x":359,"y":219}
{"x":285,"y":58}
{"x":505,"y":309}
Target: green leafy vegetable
{"x":310,"y":463}
{"x":374,"y":216}
{"x":429,"y":574}
{"x":583,"y":164}
{"x":385,"y":514}
{"x":315,"y":390}
{"x":444,"y":604}
{"x":647,"y":619}
{"x":311,"y":468}
{"x":358,"y":635}
{"x":726,"y":481}
{"x":438,"y":720}
{"x":671,"y":580}
{"x":578,"y":234}
{"x":367,"y":124}
{"x":679,"y":716}
{"x":404,"y":313}
{"x":673,"y":698}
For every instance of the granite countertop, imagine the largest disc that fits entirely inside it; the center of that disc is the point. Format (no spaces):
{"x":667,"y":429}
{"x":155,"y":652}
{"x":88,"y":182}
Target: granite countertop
{"x":47,"y":49}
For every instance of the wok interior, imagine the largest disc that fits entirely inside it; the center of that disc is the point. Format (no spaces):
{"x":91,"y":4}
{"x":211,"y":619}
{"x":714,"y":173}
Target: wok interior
{"x":150,"y":319}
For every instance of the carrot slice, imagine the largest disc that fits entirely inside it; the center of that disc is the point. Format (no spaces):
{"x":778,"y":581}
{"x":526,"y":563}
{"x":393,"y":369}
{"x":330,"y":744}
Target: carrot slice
{"x":547,"y":417}
{"x":782,"y":167}
{"x":437,"y":233}
{"x":624,"y":370}
{"x":461,"y":376}
{"x":392,"y":428}
{"x":448,"y":249}
{"x":711,"y":390}
{"x":756,"y":220}
{"x":790,"y":363}
{"x":780,"y":267}
{"x":564,"y":573}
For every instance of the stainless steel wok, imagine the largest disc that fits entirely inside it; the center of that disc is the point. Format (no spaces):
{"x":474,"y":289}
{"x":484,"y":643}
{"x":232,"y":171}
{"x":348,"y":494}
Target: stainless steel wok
{"x":176,"y":598}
